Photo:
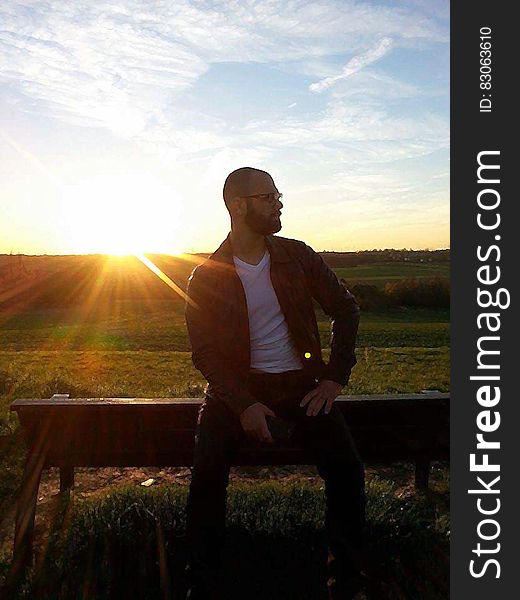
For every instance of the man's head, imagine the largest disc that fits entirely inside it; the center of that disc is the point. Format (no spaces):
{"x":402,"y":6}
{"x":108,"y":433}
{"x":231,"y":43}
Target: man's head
{"x":252,"y":199}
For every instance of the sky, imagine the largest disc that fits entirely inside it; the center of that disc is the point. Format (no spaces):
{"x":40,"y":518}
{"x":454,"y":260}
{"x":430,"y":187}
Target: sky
{"x":119,"y":121}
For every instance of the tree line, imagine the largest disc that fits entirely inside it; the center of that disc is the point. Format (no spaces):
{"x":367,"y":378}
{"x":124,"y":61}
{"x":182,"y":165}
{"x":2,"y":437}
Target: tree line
{"x":427,"y":292}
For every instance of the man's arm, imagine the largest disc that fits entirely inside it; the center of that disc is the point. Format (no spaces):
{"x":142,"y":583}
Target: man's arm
{"x":200,"y":321}
{"x":341,"y":306}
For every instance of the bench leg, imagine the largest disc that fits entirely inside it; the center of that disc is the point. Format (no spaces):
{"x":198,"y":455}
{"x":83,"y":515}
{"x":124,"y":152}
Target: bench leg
{"x":66,"y":479}
{"x":25,"y":513}
{"x":422,"y":473}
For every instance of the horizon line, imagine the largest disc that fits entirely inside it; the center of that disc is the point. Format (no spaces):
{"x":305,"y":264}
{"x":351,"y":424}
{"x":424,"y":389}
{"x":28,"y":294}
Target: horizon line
{"x":180,"y":254}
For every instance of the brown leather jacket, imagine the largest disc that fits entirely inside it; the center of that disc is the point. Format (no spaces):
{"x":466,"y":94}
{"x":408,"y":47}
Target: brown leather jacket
{"x":218,"y":324}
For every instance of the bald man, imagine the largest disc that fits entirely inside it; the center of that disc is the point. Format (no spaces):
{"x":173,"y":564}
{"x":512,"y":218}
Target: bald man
{"x":255,"y":338}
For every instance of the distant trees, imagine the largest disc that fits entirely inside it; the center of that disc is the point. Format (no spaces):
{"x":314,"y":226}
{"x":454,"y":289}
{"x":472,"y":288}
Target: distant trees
{"x":427,"y":292}
{"x":370,"y":297}
{"x":432,"y":292}
{"x":368,"y":257}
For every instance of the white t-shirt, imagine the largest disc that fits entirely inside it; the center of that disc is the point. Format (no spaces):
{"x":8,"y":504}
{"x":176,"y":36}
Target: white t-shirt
{"x":272,"y":349}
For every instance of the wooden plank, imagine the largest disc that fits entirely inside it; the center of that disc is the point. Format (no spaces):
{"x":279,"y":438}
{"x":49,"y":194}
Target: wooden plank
{"x":92,"y":427}
{"x":372,"y":398}
{"x":66,"y":478}
{"x":79,"y":445}
{"x":422,"y":473}
{"x":25,"y":514}
{"x":91,"y":433}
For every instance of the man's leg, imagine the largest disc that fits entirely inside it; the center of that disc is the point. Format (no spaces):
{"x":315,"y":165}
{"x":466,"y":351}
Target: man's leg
{"x":339,"y":465}
{"x":206,"y":506}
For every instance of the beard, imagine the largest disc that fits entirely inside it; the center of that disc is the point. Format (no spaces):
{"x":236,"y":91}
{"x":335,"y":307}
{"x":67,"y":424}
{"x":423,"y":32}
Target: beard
{"x":262,"y":224}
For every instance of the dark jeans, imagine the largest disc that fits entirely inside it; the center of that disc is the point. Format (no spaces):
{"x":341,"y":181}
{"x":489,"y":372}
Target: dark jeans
{"x":338,"y":463}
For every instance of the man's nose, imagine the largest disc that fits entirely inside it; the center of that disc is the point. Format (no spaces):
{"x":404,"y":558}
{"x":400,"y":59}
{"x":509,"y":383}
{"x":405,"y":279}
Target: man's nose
{"x":279,"y":204}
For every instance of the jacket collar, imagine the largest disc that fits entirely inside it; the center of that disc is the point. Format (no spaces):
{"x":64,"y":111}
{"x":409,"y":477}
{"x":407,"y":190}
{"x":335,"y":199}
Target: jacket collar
{"x":224,"y":253}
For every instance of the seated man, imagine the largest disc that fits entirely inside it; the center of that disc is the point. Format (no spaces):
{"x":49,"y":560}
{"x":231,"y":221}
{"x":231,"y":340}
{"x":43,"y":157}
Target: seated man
{"x":255,"y":338}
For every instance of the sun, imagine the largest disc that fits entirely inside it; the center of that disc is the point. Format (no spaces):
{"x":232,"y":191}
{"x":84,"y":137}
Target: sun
{"x":121,"y":214}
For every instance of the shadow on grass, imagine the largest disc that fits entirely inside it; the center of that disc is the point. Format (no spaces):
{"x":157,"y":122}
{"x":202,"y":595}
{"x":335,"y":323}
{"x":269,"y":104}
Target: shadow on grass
{"x":130,"y":544}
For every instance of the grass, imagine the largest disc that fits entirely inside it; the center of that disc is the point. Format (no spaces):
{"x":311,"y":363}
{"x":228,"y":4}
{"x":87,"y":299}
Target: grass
{"x":125,"y":544}
{"x":402,"y":327}
{"x":39,"y":374}
{"x":126,"y":328}
{"x":123,"y":306}
{"x":164,"y":329}
{"x":381,"y":273}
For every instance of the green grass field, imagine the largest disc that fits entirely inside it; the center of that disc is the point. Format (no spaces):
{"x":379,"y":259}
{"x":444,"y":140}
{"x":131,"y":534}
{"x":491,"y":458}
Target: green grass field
{"x":126,"y":544}
{"x":381,"y":273}
{"x":137,"y":346}
{"x":164,"y":329}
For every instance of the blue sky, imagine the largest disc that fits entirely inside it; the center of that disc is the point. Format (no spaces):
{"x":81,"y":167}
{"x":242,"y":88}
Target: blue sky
{"x":120,"y":120}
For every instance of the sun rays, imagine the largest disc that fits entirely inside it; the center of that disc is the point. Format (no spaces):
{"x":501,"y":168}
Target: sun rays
{"x":163,"y":277}
{"x":98,"y":302}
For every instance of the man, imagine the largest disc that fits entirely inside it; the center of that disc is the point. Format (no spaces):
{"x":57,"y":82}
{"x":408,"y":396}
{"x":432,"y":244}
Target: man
{"x":255,"y":338}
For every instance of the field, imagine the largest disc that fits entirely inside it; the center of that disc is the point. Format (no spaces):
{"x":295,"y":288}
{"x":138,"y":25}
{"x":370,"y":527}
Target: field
{"x":379,"y":274}
{"x":162,"y":328}
{"x":96,"y":326}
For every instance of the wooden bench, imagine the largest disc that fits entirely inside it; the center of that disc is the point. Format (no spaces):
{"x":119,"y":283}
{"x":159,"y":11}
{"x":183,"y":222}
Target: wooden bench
{"x":125,"y":432}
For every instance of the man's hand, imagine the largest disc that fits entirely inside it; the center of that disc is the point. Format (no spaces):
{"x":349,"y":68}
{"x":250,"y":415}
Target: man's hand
{"x":254,"y":423}
{"x":324,"y":394}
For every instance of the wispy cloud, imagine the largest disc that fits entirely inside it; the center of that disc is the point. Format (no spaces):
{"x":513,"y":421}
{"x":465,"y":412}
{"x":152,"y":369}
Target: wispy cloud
{"x":354,"y":65}
{"x":120,"y":65}
{"x":373,"y":84}
{"x":361,"y":133}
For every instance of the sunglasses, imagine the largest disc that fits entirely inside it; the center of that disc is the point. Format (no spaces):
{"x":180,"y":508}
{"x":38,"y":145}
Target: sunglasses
{"x":270,"y":198}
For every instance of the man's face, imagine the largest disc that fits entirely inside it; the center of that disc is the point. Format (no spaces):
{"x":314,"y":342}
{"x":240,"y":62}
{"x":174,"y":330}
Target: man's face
{"x":264,"y":209}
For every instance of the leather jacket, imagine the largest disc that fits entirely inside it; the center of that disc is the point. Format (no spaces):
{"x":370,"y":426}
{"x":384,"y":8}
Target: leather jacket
{"x":218,"y":323}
